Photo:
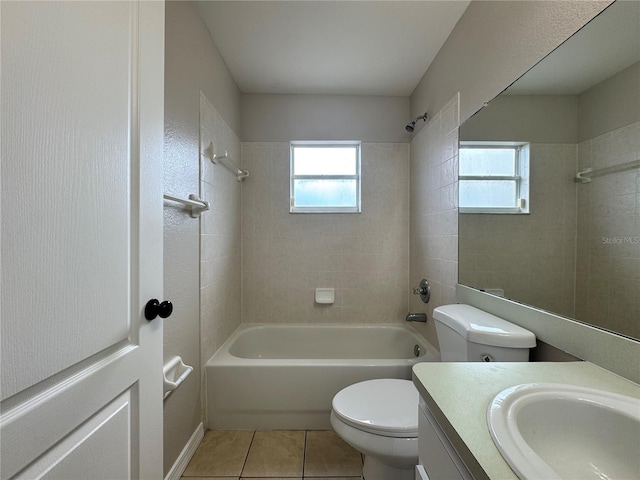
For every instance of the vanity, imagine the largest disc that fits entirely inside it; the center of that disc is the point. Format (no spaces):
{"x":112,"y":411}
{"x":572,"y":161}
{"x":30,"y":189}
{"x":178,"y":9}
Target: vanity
{"x":456,"y":396}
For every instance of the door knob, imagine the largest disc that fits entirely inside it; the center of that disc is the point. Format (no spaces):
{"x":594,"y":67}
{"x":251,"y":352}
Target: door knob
{"x":155,"y":309}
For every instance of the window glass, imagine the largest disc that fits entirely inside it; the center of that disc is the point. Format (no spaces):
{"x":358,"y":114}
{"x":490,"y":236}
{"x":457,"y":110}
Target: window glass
{"x":325,"y":177}
{"x":487,"y":161}
{"x":488,"y":193}
{"x":324,"y":161}
{"x":493,"y":178}
{"x":325,"y":193}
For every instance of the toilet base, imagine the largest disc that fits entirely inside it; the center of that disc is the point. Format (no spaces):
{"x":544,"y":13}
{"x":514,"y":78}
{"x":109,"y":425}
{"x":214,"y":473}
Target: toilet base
{"x":375,"y":470}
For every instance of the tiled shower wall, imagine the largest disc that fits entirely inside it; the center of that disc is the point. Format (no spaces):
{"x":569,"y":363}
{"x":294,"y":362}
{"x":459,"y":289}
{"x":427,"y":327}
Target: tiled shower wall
{"x":434,"y":212}
{"x":219,"y":234}
{"x":608,"y":265}
{"x":286,"y":256}
{"x":496,"y":249}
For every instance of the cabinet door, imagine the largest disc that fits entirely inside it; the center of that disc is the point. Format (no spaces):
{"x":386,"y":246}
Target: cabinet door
{"x":81,"y":239}
{"x":435,"y":452}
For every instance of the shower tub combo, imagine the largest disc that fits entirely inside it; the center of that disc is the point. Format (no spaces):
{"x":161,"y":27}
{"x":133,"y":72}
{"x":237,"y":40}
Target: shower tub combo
{"x":269,"y":376}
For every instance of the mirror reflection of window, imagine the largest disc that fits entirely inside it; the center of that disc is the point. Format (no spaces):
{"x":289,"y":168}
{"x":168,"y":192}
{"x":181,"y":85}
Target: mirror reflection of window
{"x":494,"y":177}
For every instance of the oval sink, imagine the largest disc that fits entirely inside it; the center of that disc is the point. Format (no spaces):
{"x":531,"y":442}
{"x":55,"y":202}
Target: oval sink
{"x":557,"y":431}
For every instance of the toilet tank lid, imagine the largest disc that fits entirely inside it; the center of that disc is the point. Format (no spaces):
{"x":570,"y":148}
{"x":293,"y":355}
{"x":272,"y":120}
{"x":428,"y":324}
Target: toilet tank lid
{"x":478,"y":326}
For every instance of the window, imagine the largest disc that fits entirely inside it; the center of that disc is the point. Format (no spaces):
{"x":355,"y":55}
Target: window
{"x":494,"y":177}
{"x":325,"y":177}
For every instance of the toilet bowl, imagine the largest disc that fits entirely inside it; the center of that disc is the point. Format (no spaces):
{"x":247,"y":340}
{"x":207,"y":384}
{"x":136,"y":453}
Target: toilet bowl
{"x":379,"y":418}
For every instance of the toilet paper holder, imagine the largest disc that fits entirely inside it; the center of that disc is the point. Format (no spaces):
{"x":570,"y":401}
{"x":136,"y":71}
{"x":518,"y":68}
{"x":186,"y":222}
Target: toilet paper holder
{"x":175,"y":371}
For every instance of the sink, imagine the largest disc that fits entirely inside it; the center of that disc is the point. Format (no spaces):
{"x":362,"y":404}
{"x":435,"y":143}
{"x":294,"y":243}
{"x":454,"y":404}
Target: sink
{"x":557,"y":431}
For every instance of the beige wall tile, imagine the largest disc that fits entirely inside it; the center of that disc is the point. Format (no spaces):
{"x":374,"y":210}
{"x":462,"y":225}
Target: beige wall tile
{"x":608,"y":225}
{"x":363,"y":256}
{"x":220,"y":239}
{"x":433,"y":213}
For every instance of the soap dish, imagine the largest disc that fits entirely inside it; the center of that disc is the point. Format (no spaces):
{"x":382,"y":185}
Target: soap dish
{"x":325,"y":295}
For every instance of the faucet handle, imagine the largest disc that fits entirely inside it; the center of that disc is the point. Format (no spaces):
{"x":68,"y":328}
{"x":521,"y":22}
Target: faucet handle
{"x":424,"y":290}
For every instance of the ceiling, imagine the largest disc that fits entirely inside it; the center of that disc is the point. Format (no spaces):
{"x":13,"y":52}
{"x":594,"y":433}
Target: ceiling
{"x":329,"y":47}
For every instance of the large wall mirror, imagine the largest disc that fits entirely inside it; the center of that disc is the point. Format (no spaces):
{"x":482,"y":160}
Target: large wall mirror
{"x":568,"y":246}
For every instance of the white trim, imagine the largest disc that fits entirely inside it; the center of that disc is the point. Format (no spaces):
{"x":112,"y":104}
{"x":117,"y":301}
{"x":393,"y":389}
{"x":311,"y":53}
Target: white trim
{"x":497,"y":211}
{"x":489,"y":177}
{"x":490,"y":143}
{"x":324,"y":143}
{"x":184,"y":458}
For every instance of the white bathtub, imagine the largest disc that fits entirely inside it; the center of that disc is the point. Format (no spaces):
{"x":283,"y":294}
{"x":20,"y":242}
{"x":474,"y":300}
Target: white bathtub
{"x":269,"y":376}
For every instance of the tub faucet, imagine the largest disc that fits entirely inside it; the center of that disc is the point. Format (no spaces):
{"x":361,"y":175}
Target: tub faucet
{"x":416,"y":317}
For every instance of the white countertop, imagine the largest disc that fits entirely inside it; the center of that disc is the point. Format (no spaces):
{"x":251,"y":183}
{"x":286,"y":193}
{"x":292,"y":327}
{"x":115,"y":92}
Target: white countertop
{"x":458,"y":395}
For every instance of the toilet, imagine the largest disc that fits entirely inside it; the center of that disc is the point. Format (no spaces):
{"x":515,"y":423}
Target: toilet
{"x":379,"y":418}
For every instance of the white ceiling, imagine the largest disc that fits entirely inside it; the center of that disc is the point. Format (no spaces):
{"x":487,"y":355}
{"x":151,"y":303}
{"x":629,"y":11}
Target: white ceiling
{"x":330,"y":47}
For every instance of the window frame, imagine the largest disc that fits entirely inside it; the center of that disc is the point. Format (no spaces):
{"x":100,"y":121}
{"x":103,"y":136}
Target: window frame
{"x":521,"y":177}
{"x":328,"y":145}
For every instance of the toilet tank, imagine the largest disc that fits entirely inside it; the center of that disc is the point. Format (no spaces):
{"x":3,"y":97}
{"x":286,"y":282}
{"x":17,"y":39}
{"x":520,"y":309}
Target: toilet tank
{"x":468,"y":334}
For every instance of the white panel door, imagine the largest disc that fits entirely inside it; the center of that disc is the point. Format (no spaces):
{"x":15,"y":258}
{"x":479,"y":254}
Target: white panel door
{"x":81,"y":94}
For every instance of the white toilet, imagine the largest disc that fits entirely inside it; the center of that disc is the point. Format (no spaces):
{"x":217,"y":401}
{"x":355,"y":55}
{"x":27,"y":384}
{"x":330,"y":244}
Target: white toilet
{"x":379,"y":418}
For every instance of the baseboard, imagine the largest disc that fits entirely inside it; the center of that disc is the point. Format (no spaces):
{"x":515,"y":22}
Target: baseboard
{"x":185,"y":455}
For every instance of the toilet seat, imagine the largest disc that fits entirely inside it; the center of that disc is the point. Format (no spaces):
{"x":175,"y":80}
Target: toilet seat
{"x":386,"y":407}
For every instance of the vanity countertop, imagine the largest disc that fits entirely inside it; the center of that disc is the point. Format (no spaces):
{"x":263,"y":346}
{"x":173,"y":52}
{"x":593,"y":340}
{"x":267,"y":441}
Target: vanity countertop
{"x":458,"y":395}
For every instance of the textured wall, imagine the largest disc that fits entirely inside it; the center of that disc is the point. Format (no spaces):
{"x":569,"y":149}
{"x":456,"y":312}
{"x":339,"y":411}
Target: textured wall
{"x":192,"y":64}
{"x":282,"y":118}
{"x":434,"y":212}
{"x":493,"y":44}
{"x":363,"y":256}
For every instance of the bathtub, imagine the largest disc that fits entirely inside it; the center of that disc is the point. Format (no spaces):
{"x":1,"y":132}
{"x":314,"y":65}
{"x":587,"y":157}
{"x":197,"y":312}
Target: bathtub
{"x":268,"y":376}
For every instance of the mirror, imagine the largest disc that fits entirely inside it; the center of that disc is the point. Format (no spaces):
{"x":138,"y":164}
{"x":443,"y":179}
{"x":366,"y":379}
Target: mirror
{"x":577,"y":251}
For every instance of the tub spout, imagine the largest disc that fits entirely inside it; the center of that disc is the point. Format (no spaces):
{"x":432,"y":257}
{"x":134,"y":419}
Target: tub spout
{"x":416,"y":317}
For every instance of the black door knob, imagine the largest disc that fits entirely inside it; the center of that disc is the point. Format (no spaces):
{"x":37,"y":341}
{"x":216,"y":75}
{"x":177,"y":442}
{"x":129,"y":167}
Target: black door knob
{"x":155,"y":309}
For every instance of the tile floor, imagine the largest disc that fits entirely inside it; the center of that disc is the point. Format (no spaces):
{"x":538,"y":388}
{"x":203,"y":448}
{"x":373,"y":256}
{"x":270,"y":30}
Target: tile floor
{"x":274,"y":455}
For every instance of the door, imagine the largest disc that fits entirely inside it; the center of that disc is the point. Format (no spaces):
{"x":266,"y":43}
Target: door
{"x":81,"y":239}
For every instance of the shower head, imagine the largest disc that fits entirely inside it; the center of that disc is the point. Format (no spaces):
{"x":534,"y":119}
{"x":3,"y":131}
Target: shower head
{"x":410,"y":127}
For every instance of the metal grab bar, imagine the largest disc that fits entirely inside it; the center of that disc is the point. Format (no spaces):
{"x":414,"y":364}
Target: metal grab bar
{"x":586,"y":175}
{"x":228,"y":163}
{"x":196,"y":204}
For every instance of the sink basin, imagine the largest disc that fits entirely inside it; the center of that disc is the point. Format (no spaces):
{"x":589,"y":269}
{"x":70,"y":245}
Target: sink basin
{"x":557,"y":431}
